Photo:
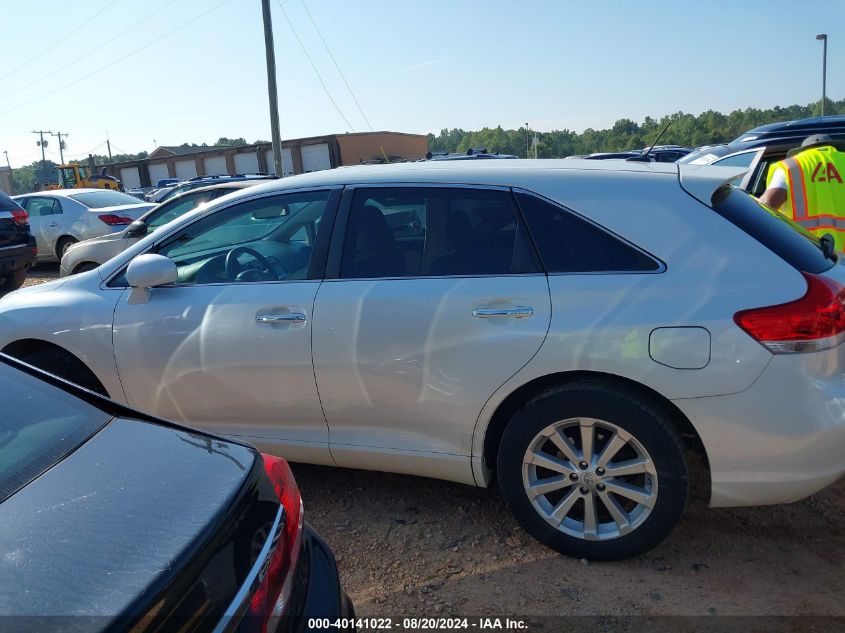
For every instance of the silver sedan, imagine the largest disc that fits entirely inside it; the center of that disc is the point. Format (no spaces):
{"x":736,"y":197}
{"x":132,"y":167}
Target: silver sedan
{"x":60,"y":218}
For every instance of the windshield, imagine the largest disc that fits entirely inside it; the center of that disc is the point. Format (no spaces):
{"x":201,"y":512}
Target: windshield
{"x":704,"y":155}
{"x":100,"y":199}
{"x":175,"y":208}
{"x":39,"y":426}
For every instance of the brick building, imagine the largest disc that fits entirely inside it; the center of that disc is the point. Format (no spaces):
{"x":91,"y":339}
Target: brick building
{"x":299,"y":156}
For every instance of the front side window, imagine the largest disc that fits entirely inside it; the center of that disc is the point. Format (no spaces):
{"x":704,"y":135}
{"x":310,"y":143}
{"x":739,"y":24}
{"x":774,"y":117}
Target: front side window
{"x":570,"y":244}
{"x":431,"y":232}
{"x":258,"y":240}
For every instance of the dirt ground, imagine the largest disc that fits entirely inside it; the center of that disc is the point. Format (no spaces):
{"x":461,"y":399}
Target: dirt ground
{"x":414,"y":546}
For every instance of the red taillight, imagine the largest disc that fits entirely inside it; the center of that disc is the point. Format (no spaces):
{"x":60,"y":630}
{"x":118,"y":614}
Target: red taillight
{"x":115,"y":220}
{"x":20,"y":216}
{"x":272,"y":594}
{"x":814,"y":322}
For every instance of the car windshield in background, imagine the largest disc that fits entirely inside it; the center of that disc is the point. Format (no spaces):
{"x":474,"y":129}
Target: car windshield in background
{"x":39,"y":426}
{"x":775,"y":231}
{"x":173,"y":209}
{"x":101,"y":199}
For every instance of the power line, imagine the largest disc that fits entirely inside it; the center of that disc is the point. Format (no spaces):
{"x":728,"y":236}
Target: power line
{"x":336,"y":65}
{"x":118,"y":60}
{"x":311,"y":61}
{"x":60,"y":40}
{"x":92,"y":51}
{"x":90,"y":151}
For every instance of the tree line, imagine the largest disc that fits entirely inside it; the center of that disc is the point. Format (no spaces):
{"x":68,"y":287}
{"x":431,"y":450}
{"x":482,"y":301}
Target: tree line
{"x":691,"y":130}
{"x":686,"y":129}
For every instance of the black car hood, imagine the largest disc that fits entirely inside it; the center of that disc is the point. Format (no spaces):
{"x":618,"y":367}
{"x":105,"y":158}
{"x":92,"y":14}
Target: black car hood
{"x":105,"y":530}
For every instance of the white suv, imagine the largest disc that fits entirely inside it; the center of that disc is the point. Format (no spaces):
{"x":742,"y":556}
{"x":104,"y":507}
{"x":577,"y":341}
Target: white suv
{"x":567,"y":328}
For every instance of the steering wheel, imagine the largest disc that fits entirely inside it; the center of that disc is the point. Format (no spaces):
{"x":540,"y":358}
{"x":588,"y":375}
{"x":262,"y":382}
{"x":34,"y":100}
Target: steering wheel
{"x":234,"y":268}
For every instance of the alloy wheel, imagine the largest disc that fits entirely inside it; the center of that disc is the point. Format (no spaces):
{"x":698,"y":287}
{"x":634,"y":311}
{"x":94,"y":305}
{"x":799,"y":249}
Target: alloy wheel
{"x":589,"y":479}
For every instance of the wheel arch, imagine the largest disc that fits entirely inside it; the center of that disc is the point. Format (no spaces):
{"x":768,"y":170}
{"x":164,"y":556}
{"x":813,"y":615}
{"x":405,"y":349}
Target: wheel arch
{"x":58,"y":243}
{"x":524,"y":393}
{"x":24,"y":349}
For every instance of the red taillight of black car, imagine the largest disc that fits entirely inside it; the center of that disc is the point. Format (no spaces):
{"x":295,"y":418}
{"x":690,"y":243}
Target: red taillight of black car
{"x":115,"y":220}
{"x":270,"y":599}
{"x":20,"y":216}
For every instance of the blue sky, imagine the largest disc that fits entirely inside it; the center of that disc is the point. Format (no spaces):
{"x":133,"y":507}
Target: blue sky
{"x":415,"y":66}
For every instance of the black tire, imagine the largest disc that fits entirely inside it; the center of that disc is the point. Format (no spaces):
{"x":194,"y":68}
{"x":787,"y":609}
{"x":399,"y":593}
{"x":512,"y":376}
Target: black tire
{"x":12,"y":281}
{"x":625,"y":408}
{"x":63,"y":244}
{"x":64,"y":365}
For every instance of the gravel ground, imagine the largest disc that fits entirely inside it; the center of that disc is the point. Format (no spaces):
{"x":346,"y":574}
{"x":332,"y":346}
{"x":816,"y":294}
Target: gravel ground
{"x":415,"y":546}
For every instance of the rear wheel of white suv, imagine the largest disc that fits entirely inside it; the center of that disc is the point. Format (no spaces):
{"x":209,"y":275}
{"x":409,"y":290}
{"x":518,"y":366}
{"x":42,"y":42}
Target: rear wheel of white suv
{"x":594,"y":471}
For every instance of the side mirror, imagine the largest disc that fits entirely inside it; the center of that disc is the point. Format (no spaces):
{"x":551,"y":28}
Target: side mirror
{"x":148,"y":271}
{"x":137,"y":229}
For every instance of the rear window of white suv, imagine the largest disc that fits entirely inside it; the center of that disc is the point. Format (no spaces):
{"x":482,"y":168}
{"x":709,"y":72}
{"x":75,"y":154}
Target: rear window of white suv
{"x":782,"y":236}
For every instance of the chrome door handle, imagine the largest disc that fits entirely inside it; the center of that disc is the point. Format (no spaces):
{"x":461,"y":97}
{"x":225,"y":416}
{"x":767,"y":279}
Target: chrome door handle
{"x":521,"y":312}
{"x":292,"y":317}
{"x":53,"y":224}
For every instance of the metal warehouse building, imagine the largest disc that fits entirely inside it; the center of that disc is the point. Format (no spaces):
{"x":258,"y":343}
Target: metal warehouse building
{"x":298,"y":156}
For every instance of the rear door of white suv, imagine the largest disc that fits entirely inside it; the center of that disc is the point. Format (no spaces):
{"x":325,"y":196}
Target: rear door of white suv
{"x":433,"y":298}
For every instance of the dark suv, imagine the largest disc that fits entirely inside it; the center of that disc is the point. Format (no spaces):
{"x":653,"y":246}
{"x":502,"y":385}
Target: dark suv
{"x":757,"y":149}
{"x":17,"y":245}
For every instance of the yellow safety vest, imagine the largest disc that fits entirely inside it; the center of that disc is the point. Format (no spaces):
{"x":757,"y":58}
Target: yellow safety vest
{"x":816,"y":196}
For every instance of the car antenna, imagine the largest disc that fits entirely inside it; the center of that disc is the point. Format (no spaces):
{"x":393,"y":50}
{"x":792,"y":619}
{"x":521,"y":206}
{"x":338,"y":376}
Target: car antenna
{"x":644,"y":156}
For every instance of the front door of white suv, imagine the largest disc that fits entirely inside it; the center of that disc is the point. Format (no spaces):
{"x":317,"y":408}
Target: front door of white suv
{"x":228,"y":346}
{"x":437,"y":299}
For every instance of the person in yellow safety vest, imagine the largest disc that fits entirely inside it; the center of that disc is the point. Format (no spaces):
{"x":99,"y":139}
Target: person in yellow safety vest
{"x":808,"y":187}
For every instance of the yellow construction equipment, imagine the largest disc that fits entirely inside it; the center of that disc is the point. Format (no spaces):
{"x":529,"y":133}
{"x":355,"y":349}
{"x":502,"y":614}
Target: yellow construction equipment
{"x":75,"y":176}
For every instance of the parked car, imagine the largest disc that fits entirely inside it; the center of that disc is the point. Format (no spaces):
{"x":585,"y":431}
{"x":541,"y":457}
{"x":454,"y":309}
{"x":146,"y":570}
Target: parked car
{"x":204,"y":181}
{"x":61,"y":218}
{"x":658,"y":153}
{"x":17,"y":245}
{"x":89,"y":254}
{"x":758,"y":149}
{"x":566,"y":328}
{"x":480,"y":153}
{"x":193,"y":528}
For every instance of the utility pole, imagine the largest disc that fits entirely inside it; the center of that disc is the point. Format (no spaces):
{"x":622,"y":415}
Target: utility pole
{"x":823,"y":38}
{"x":527,"y":135}
{"x":42,"y":143}
{"x":271,"y":87}
{"x":61,"y":155}
{"x":8,"y":164}
{"x":108,"y":146}
{"x":61,"y":144}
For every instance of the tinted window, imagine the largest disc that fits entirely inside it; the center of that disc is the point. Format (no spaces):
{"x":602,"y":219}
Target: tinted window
{"x":773,"y":230}
{"x":100,"y":199}
{"x":258,"y":240}
{"x":39,"y":426}
{"x":570,"y":244}
{"x":419,"y":232}
{"x":39,"y":207}
{"x":7,"y":204}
